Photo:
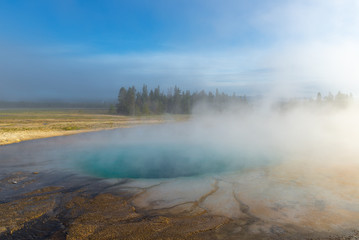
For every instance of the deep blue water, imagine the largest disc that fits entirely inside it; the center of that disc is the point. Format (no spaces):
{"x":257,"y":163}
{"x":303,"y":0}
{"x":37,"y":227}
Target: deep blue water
{"x":154,"y":161}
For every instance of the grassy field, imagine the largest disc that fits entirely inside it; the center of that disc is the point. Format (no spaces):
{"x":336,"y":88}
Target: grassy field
{"x":24,"y":124}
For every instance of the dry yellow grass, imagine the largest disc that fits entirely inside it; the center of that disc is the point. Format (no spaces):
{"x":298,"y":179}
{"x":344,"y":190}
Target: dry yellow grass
{"x":20,"y":124}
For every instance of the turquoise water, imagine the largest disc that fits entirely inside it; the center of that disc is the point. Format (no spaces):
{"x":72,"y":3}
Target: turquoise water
{"x":155,"y":161}
{"x":143,"y":152}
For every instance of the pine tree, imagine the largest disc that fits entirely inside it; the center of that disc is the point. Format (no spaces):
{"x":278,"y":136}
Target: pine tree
{"x":121,"y":106}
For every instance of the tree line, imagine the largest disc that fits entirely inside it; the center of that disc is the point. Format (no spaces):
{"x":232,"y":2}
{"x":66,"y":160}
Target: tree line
{"x":177,"y":101}
{"x":340,"y":99}
{"x":174,"y":101}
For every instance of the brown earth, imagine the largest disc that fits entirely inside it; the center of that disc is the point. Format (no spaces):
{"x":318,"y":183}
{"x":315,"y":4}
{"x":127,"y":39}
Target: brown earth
{"x":72,"y":208}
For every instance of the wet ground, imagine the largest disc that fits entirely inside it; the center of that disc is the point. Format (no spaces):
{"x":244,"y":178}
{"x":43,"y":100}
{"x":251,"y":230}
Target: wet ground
{"x":42,"y":197}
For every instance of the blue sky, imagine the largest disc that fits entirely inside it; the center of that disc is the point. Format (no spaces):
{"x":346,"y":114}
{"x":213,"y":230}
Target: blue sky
{"x":89,"y":49}
{"x":129,"y":26}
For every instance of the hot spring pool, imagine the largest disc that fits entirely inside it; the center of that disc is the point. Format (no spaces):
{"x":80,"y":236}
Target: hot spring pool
{"x":155,"y":161}
{"x":128,"y":153}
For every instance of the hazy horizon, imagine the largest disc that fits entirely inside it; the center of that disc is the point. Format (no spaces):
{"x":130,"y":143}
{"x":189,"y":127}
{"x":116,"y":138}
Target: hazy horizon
{"x":75,"y":50}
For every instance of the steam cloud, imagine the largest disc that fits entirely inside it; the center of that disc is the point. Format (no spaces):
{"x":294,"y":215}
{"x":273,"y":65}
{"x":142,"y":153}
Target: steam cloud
{"x":307,"y":135}
{"x":302,"y":158}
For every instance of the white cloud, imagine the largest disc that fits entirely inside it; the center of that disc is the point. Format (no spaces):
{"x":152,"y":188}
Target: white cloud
{"x":317,"y":44}
{"x":326,"y":66}
{"x":303,"y":20}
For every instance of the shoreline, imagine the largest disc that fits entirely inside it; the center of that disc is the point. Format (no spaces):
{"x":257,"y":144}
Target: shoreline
{"x":12,"y":138}
{"x":30,"y":124}
{"x":22,"y":136}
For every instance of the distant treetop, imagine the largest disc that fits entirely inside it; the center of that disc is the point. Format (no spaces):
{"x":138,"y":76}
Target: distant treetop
{"x":175,"y":101}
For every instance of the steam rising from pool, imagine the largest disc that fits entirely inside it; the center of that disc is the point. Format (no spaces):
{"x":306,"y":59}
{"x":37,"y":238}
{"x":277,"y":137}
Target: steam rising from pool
{"x":304,"y":136}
